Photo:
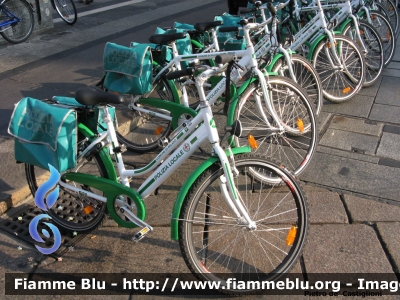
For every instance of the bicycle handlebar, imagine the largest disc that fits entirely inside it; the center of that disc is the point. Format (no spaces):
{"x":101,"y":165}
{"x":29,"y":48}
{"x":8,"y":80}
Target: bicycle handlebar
{"x":228,"y":29}
{"x":179,"y":73}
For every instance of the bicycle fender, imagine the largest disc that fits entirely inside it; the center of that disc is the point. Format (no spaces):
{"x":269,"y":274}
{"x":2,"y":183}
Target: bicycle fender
{"x":176,"y":210}
{"x":343,"y":25}
{"x":176,"y":109}
{"x":235,"y":99}
{"x":175,"y":92}
{"x":104,"y":155}
{"x":111,"y":189}
{"x":314,"y":45}
{"x":275,"y":59}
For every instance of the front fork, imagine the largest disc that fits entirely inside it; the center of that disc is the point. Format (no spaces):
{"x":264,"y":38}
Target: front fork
{"x":229,"y":191}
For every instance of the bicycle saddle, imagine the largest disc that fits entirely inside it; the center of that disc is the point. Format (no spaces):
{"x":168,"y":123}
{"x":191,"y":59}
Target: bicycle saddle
{"x":204,"y":26}
{"x":160,"y":39}
{"x":92,"y":96}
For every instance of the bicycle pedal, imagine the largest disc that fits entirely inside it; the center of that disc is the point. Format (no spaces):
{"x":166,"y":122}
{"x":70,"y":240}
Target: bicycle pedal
{"x":138,"y":236}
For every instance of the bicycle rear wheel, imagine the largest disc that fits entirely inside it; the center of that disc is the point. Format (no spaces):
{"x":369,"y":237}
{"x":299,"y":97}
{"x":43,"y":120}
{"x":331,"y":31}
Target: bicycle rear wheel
{"x":67,"y":11}
{"x":73,"y":211}
{"x":141,"y":131}
{"x":339,"y":83}
{"x":292,"y":148}
{"x":21,"y":12}
{"x":214,"y":244}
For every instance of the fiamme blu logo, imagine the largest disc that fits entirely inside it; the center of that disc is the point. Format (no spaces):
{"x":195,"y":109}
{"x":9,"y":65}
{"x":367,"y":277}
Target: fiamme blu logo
{"x":49,"y":191}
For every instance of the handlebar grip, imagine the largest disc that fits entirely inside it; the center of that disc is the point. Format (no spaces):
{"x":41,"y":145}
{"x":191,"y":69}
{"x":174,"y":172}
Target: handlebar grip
{"x":179,"y":73}
{"x":224,"y":58}
{"x":228,"y":29}
{"x":271,"y":9}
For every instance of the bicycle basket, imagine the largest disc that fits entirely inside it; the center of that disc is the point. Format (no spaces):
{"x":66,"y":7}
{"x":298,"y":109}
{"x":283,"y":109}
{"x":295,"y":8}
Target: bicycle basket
{"x":44,"y":134}
{"x":128,"y":69}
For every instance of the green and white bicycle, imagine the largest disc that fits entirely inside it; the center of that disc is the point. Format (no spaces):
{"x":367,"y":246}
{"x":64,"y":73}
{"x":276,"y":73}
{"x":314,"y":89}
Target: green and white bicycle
{"x":231,"y":220}
{"x":281,"y":116}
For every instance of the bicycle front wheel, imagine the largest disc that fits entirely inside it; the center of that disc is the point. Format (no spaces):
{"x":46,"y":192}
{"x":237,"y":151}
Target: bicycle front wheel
{"x":20,"y":12}
{"x":372,"y":48}
{"x":306,"y":76}
{"x":73,"y":211}
{"x":67,"y":10}
{"x":141,"y":131}
{"x":293,"y":147}
{"x":386,"y":32}
{"x":339,"y":82}
{"x":391,"y":12}
{"x":216,"y":245}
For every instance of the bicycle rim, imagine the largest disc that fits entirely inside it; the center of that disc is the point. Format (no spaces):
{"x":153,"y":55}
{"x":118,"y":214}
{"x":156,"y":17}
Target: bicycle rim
{"x":339,"y":84}
{"x":385,"y":30}
{"x":216,"y":247}
{"x":292,"y":148}
{"x":21,"y":30}
{"x":391,"y":13}
{"x":371,"y":42}
{"x":67,"y":11}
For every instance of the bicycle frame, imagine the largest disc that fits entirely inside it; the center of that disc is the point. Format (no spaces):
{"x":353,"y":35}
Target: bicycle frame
{"x":247,"y":62}
{"x":186,"y":139}
{"x":345,"y":13}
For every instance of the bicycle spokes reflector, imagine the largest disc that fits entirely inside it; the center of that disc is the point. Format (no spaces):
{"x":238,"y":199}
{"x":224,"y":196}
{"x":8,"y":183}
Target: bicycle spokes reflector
{"x":158,"y":130}
{"x":361,"y":31}
{"x":346,"y":90}
{"x":300,"y":124}
{"x":252,"y":141}
{"x":87,"y":210}
{"x":291,"y":236}
{"x":329,"y":45}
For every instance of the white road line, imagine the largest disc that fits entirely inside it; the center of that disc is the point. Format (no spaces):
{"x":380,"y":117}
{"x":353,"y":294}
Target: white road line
{"x":97,"y":10}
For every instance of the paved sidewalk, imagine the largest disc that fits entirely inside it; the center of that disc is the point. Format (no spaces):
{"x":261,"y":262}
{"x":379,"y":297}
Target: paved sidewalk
{"x":352,"y":184}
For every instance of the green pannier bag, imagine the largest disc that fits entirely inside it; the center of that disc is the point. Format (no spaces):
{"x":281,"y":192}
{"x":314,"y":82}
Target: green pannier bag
{"x":94,"y":121}
{"x":128,"y":69}
{"x":44,"y":134}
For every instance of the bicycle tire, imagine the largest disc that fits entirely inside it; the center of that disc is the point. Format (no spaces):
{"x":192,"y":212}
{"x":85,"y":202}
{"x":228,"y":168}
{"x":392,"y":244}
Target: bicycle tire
{"x":385,"y":30}
{"x":71,"y":204}
{"x":140,"y":131}
{"x":214,"y":245}
{"x":372,"y":42}
{"x":291,"y":148}
{"x":306,"y":76}
{"x":339,"y":85}
{"x":66,"y":10}
{"x":21,"y":30}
